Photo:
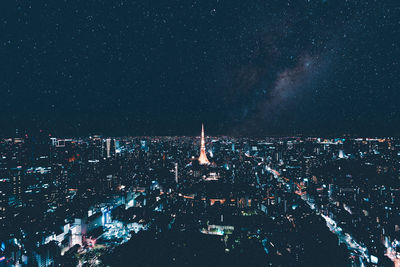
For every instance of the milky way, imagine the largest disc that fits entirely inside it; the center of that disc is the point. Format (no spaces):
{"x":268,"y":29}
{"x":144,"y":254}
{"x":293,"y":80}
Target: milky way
{"x":254,"y":68}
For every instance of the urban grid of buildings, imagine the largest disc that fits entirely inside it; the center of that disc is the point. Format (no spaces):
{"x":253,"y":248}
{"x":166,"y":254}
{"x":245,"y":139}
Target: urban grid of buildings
{"x":159,"y":201}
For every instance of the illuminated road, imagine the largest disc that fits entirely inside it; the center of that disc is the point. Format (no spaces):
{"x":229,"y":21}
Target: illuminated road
{"x":391,"y":254}
{"x":359,"y":251}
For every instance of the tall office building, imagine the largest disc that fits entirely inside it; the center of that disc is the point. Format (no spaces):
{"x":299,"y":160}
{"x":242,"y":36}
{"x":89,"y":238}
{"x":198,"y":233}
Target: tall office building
{"x":16,"y":183}
{"x":176,"y":172}
{"x":110,"y":147}
{"x":3,"y":202}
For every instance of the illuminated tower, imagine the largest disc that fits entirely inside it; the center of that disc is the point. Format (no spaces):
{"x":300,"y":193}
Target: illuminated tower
{"x":203,"y":157}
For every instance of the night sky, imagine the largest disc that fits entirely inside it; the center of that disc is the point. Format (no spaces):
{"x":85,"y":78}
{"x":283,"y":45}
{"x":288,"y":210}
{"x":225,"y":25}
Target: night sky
{"x":163,"y":67}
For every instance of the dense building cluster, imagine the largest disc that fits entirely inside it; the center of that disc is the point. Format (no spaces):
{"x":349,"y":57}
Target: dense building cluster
{"x":292,"y":201}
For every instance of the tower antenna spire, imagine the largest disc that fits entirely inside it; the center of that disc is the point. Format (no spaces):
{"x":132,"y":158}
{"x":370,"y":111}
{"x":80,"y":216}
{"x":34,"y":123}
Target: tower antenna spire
{"x":203,"y":160}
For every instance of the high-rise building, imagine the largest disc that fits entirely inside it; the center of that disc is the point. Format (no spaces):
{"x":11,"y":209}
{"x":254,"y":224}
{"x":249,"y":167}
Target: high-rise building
{"x":16,"y":183}
{"x":203,"y":160}
{"x":3,"y":201}
{"x":176,"y":172}
{"x":108,"y":147}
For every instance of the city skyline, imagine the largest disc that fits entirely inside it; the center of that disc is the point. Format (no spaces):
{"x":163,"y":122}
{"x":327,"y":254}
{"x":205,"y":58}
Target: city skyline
{"x":102,"y":201}
{"x":200,"y":133}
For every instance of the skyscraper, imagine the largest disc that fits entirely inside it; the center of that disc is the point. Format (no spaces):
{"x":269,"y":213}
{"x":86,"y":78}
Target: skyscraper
{"x":176,"y":172}
{"x":108,"y":147}
{"x":203,"y":160}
